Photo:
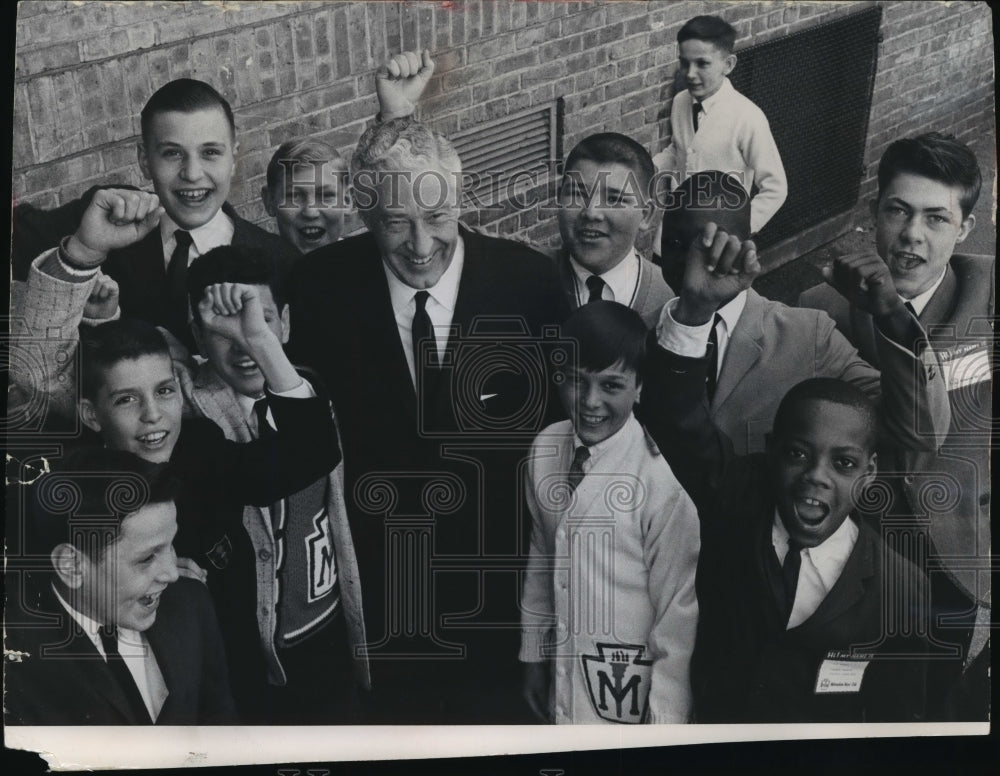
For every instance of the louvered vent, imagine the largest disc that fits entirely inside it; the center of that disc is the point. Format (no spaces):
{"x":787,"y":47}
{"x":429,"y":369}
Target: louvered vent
{"x":815,"y":87}
{"x":520,"y":143}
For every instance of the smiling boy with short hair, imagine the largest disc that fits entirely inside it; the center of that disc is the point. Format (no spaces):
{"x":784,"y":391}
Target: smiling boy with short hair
{"x":612,"y":532}
{"x":714,"y":127}
{"x":793,"y":590}
{"x":127,"y":642}
{"x":131,"y":399}
{"x":605,"y":204}
{"x":307,"y":193}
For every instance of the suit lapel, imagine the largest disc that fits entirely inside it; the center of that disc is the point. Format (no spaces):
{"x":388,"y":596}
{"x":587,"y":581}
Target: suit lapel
{"x":744,"y":349}
{"x":863,"y":331}
{"x":379,"y":334}
{"x":567,"y":278}
{"x":941,"y":306}
{"x":473,"y":292}
{"x":146,"y":261}
{"x":217,"y":402}
{"x":77,"y":647}
{"x":850,"y":587}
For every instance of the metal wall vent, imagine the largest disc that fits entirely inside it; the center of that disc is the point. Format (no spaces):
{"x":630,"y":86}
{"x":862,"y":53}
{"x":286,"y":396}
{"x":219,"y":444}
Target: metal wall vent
{"x":513,"y":152}
{"x":815,"y":87}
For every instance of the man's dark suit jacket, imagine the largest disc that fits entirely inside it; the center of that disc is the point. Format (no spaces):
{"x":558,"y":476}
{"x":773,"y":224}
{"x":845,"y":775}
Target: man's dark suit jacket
{"x":61,"y":679}
{"x":446,"y":475}
{"x":746,"y":666}
{"x":139,"y":268}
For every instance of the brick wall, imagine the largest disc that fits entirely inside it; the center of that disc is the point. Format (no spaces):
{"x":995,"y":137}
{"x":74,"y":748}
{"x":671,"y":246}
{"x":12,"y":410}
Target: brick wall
{"x":84,"y":72}
{"x":935,"y":72}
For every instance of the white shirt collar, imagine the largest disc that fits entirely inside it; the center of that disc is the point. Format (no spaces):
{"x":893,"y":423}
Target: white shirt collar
{"x":92,"y":628}
{"x":829,"y":557}
{"x":444,"y":292}
{"x":87,"y":625}
{"x":600,"y":449}
{"x":246,"y":403}
{"x":622,"y":279}
{"x":218,"y":231}
{"x":919,"y":302}
{"x":708,"y":102}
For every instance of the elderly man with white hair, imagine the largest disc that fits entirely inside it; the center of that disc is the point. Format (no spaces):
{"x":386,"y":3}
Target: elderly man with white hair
{"x":435,"y":343}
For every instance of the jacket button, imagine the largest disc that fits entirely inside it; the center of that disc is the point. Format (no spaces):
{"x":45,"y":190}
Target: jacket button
{"x":264,"y":555}
{"x":984,"y":499}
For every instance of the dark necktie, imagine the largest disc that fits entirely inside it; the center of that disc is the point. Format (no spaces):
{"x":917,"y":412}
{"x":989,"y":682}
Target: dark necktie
{"x":909,"y":307}
{"x":576,"y":468}
{"x":177,"y":281}
{"x":696,"y":110}
{"x":264,"y":430}
{"x":123,"y":676}
{"x":712,"y":351}
{"x":423,"y":329}
{"x":790,"y":573}
{"x":596,"y":287}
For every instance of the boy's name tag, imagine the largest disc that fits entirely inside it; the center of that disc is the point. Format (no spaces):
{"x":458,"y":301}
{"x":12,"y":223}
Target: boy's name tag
{"x":840,"y":673}
{"x":965,"y":365}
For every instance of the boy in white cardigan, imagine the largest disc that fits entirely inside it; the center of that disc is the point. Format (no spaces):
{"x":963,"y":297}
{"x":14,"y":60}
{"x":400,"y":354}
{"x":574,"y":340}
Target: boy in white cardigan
{"x":715,"y":127}
{"x":608,"y":610}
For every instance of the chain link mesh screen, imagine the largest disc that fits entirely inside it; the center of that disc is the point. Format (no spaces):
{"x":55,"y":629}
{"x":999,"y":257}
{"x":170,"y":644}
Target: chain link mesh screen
{"x":815,"y":87}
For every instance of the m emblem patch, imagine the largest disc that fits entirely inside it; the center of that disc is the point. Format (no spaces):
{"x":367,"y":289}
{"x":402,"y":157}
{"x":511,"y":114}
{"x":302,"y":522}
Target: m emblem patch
{"x":319,"y":547}
{"x":618,"y":682}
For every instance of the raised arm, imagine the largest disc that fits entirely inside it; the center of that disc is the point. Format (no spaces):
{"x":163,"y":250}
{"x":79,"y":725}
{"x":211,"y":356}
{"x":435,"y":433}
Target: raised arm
{"x":675,"y":407}
{"x":914,"y":409}
{"x":61,"y":283}
{"x":400,"y":82}
{"x":304,"y":447}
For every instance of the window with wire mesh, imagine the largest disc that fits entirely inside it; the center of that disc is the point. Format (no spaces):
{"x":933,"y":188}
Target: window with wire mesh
{"x":815,"y":87}
{"x":504,"y":159}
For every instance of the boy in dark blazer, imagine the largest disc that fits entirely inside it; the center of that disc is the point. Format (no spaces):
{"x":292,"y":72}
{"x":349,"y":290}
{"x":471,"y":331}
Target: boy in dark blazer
{"x":130,"y":398}
{"x":793,"y":590}
{"x":113,"y":636}
{"x":928,"y":186}
{"x":188,"y":152}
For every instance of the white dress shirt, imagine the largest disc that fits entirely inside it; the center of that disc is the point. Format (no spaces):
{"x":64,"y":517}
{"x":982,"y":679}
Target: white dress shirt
{"x":135,"y":651}
{"x":692,"y":341}
{"x":218,"y":231}
{"x":621,"y":282}
{"x":303,"y":390}
{"x":440,"y":305}
{"x":821,"y":566}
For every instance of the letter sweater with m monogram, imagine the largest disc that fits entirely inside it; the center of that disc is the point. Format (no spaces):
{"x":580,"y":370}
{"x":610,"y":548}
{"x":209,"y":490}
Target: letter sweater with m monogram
{"x":609,"y":594}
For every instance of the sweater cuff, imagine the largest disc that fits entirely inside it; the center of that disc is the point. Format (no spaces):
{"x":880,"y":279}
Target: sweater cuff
{"x":533,"y":640}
